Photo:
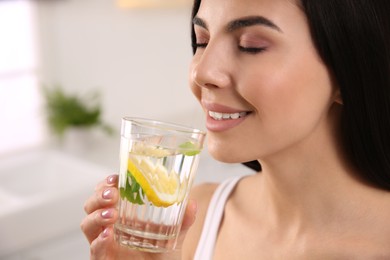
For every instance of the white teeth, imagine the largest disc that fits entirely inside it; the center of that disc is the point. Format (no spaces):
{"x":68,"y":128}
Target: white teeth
{"x":218,"y":116}
{"x":235,"y":115}
{"x":226,"y":116}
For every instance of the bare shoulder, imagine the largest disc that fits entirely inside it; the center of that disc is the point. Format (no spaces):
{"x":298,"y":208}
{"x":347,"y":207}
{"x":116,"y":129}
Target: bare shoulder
{"x":202,"y":195}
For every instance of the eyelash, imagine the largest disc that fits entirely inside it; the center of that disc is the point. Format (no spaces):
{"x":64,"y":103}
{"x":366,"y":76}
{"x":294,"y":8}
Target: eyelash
{"x":199,"y":45}
{"x":250,"y":50}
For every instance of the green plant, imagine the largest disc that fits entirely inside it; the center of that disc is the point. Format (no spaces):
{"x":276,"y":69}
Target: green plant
{"x":65,"y":111}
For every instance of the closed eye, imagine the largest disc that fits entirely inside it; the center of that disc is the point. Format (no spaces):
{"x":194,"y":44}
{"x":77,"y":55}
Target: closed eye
{"x":252,"y":50}
{"x":199,"y":45}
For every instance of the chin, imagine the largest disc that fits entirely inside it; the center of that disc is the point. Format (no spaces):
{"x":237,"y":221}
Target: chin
{"x":224,"y":154}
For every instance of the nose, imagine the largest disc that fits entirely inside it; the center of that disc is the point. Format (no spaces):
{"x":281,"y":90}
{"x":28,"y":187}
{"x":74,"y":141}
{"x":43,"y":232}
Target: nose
{"x":210,"y":67}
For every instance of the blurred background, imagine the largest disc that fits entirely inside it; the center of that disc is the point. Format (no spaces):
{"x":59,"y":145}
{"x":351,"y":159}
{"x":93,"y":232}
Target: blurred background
{"x":102,"y":60}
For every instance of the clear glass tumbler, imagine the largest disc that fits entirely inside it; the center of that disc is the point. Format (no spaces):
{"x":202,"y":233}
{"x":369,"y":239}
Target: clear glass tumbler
{"x":158,"y":162}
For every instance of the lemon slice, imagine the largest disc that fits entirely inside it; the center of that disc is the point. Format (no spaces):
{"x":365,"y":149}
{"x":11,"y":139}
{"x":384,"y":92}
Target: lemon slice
{"x":161,"y":189}
{"x":140,"y":148}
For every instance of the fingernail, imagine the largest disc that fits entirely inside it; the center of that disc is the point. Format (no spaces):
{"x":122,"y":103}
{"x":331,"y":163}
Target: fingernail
{"x":105,"y":233}
{"x":194,"y":205}
{"x":195,"y":211}
{"x":107,"y":194}
{"x":108,"y":213}
{"x":111,"y":179}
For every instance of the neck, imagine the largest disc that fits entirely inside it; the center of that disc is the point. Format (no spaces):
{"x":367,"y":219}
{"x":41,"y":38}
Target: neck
{"x":310,"y":184}
{"x":303,"y":191}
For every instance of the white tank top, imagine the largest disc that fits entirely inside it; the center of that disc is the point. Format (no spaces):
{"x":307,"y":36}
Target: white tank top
{"x":205,"y":248}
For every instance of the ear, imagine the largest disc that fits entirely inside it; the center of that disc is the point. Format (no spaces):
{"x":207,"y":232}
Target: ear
{"x":337,"y":97}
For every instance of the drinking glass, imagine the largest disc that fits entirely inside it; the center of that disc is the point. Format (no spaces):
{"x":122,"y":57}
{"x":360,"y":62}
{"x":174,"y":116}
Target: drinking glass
{"x":158,"y":161}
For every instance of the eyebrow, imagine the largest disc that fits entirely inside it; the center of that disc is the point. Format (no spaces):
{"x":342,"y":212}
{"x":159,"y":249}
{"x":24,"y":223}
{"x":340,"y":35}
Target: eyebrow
{"x":241,"y":23}
{"x":250,"y":21}
{"x":198,"y":21}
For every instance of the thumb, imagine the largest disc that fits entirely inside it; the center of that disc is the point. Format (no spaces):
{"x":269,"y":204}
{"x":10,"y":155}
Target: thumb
{"x":189,"y":215}
{"x":188,"y":220}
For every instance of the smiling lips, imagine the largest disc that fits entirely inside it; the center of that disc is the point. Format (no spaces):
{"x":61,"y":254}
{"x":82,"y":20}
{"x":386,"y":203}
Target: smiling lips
{"x":222,"y":118}
{"x":226,"y":116}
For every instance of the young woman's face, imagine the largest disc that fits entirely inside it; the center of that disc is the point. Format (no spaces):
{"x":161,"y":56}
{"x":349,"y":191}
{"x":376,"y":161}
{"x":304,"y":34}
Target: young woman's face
{"x":258,"y":77}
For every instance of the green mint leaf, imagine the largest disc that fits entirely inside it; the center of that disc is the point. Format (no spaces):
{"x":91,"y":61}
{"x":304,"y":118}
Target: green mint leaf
{"x":122,"y":192}
{"x":135,"y":185}
{"x":189,"y":149}
{"x":138,"y":199}
{"x":132,"y":191}
{"x":128,"y":192}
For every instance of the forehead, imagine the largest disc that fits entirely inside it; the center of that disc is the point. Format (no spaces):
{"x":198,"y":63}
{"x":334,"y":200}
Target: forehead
{"x":282,"y":12}
{"x":241,"y":5}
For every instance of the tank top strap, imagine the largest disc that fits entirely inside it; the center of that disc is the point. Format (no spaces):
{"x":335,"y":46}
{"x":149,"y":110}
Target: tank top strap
{"x":205,"y":248}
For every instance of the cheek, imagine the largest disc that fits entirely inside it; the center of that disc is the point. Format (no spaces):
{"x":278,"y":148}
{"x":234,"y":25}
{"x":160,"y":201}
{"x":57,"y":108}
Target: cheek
{"x":289,"y":103}
{"x":289,"y":91}
{"x":195,"y":89}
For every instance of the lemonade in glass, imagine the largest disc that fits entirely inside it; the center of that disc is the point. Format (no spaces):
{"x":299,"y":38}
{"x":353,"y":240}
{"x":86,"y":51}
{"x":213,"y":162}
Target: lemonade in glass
{"x":157,"y":168}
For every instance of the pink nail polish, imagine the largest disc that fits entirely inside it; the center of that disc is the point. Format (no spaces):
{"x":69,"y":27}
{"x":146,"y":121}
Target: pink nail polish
{"x":105,"y":233}
{"x":108,"y":213}
{"x":107,"y":194}
{"x":111,"y":179}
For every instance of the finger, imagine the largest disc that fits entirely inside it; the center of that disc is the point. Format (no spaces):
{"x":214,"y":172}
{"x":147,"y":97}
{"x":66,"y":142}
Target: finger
{"x":102,"y":248}
{"x":111,"y":180}
{"x":189,"y":215}
{"x":93,"y":224}
{"x":106,"y":196}
{"x":102,"y":199}
{"x":188,"y":220}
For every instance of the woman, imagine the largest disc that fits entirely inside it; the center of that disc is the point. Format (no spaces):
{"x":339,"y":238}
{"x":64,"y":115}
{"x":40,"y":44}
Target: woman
{"x":310,"y":82}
